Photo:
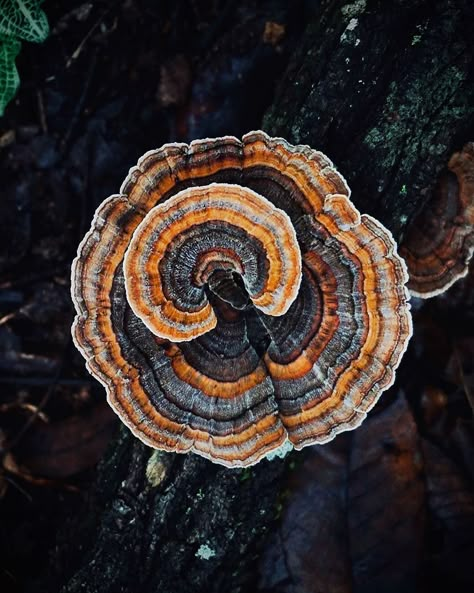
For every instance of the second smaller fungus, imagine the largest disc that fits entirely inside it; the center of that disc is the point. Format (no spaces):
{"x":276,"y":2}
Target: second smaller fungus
{"x":439,"y":243}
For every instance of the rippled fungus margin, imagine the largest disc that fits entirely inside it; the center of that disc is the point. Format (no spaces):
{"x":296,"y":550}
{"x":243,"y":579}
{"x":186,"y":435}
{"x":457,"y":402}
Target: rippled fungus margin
{"x":231,"y":298}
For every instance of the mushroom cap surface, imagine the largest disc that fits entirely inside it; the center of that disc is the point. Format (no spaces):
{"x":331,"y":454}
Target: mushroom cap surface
{"x":439,"y":243}
{"x":231,"y":297}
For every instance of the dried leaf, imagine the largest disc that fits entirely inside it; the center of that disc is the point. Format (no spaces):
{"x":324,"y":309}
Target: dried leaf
{"x":63,"y":449}
{"x":451,"y":504}
{"x":355,"y":519}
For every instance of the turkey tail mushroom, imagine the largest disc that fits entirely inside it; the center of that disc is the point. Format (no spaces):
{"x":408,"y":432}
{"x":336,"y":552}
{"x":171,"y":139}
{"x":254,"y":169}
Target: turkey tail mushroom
{"x":231,"y":298}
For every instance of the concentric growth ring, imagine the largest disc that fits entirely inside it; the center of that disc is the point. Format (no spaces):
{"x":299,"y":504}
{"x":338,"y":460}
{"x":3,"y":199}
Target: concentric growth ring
{"x":219,"y":228}
{"x":231,"y":297}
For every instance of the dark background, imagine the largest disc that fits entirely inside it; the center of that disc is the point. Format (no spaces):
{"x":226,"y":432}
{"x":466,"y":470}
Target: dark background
{"x":389,"y":507}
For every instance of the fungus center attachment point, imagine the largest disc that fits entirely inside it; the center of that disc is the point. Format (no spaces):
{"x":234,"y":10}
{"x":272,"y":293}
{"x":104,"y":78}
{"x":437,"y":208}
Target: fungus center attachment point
{"x":229,"y":287}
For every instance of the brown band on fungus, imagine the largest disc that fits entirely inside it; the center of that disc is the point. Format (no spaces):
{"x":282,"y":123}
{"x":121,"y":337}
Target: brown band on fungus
{"x":439,"y":243}
{"x":231,"y":297}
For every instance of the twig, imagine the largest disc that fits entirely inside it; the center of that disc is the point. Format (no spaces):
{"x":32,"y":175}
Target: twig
{"x":44,"y":400}
{"x":23,"y":406}
{"x":7,"y":317}
{"x":79,"y":105}
{"x":41,"y":111}
{"x":77,"y":52}
{"x":466,"y":387}
{"x":33,"y":277}
{"x":14,"y":483}
{"x":43,"y":381}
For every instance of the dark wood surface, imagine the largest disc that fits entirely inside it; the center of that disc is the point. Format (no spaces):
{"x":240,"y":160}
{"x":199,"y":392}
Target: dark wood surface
{"x":386,"y":92}
{"x":383,"y":87}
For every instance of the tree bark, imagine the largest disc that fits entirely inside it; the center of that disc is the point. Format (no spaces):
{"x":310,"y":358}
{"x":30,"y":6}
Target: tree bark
{"x":384,"y":89}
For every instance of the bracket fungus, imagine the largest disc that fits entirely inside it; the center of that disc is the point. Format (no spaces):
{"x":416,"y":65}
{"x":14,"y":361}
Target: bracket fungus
{"x":231,"y":297}
{"x":439,"y":243}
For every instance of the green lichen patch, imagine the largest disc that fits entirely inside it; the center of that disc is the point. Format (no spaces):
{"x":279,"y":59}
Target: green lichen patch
{"x":205,"y":552}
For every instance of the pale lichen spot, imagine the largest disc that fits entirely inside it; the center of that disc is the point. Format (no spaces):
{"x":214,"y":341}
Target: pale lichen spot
{"x":347,"y":36}
{"x":205,"y":552}
{"x":281,"y":452}
{"x":354,"y":8}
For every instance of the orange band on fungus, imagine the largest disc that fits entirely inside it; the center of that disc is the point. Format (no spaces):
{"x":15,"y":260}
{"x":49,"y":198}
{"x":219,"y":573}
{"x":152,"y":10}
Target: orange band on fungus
{"x":226,"y":205}
{"x":231,"y":297}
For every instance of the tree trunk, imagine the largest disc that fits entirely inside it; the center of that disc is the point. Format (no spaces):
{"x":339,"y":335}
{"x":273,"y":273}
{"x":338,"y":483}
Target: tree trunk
{"x":384,"y":88}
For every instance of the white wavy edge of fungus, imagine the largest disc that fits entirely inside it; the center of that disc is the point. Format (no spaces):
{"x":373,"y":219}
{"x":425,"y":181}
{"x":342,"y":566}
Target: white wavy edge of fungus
{"x":264,"y":451}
